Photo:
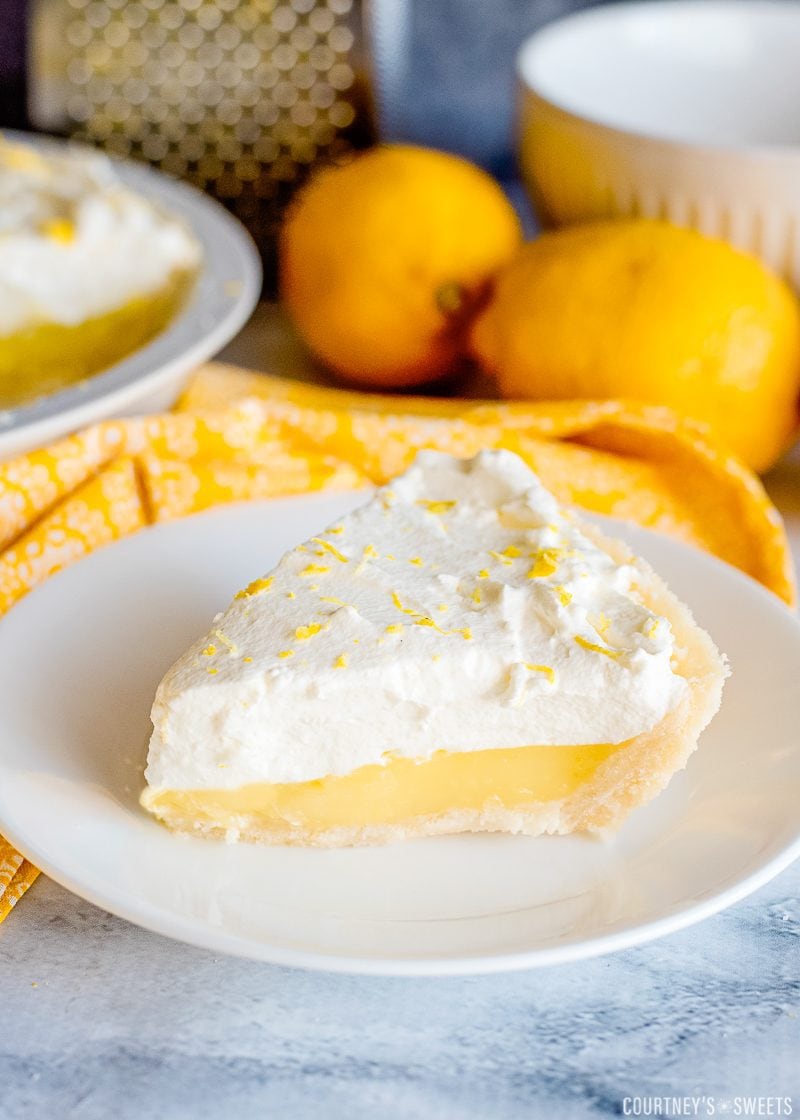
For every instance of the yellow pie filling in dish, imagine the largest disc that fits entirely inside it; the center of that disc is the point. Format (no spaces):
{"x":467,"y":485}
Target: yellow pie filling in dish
{"x":43,"y":358}
{"x":401,"y":789}
{"x":90,"y":269}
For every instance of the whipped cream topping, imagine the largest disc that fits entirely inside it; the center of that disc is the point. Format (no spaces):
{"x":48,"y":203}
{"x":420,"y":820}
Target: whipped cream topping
{"x":460,"y":609}
{"x":75,"y":243}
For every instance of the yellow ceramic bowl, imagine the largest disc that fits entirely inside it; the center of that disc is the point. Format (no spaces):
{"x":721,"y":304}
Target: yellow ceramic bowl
{"x":687,"y":110}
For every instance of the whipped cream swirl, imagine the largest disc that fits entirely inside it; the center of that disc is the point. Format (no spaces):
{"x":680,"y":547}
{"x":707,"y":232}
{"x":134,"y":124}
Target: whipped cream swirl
{"x":460,"y":609}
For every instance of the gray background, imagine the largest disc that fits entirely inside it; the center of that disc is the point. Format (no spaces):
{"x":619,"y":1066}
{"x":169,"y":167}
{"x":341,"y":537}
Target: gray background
{"x":444,"y":71}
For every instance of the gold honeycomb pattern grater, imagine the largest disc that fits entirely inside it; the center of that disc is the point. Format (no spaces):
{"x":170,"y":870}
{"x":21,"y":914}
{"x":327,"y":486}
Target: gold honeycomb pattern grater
{"x":241,"y":97}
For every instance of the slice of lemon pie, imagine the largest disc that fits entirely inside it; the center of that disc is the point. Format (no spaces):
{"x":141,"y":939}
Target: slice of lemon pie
{"x":459,"y":654}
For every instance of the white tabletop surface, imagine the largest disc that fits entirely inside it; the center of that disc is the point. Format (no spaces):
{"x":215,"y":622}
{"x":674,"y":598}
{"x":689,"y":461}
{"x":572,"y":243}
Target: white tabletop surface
{"x":102,"y":1019}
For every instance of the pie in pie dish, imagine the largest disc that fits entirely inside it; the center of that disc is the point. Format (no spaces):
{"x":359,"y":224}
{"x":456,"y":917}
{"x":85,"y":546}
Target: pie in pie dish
{"x":89,"y":269}
{"x":459,"y":654}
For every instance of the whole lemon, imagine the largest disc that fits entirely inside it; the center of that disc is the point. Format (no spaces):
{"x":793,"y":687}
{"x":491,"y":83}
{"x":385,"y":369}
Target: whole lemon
{"x":649,"y":311}
{"x":384,"y":261}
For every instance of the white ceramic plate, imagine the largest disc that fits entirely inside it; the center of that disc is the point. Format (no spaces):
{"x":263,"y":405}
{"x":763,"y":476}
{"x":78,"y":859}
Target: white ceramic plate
{"x":82,"y":656}
{"x":150,"y":379}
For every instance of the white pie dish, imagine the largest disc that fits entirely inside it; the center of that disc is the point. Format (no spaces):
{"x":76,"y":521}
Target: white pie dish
{"x":224,"y":294}
{"x":687,"y":110}
{"x":75,"y":736}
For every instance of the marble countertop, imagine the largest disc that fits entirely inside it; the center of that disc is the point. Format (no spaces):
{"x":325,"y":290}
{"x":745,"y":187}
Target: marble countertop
{"x":103,"y":1019}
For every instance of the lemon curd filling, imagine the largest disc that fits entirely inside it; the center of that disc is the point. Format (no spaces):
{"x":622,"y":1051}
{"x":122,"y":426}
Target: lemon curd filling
{"x":398,"y":791}
{"x":47,"y":357}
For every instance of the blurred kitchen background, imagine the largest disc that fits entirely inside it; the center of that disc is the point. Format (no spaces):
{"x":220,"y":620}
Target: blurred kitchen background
{"x":244,"y":97}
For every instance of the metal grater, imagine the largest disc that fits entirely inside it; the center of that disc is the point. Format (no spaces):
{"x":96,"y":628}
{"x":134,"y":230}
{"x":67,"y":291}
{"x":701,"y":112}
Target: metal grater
{"x":241,"y":97}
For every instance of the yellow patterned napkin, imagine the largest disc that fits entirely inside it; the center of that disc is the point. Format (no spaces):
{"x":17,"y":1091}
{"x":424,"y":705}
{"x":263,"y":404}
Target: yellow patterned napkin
{"x":237,"y":435}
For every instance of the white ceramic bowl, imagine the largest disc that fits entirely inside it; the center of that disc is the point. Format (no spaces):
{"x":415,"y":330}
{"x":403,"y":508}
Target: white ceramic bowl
{"x":687,"y":110}
{"x":150,"y":379}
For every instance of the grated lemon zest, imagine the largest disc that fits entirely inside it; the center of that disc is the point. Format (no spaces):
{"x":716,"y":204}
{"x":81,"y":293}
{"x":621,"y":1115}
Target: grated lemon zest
{"x":398,"y":603}
{"x":613,"y":653}
{"x":435,"y":507}
{"x":255,"y":588}
{"x":601,"y":624}
{"x":232,"y":646}
{"x":58,"y":229}
{"x":545,"y":563}
{"x":328,"y":547}
{"x":546,"y":669}
{"x":303,"y":632}
{"x":314,"y":569}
